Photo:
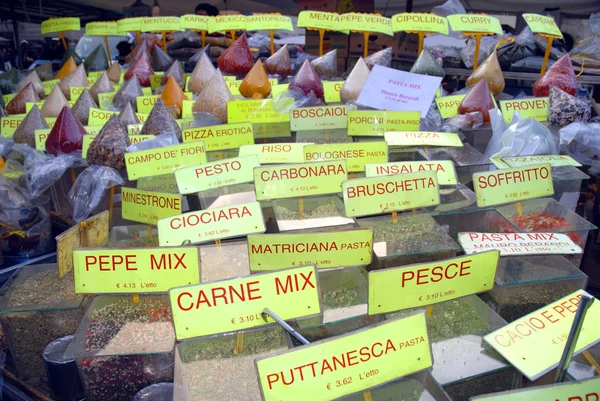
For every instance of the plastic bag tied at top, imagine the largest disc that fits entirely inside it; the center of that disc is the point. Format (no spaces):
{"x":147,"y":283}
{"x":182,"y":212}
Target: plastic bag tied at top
{"x":426,"y":65}
{"x":355,"y":82}
{"x":67,"y":134}
{"x":490,"y":70}
{"x":589,"y":48}
{"x":173,"y":97}
{"x":77,"y":78}
{"x":128,"y":116}
{"x":581,"y":141}
{"x":326,"y":65}
{"x":202,"y":74}
{"x":174,"y":71}
{"x":108,"y":148}
{"x":308,"y":81}
{"x":33,"y":78}
{"x":564,"y":109}
{"x":256,"y":84}
{"x":214,"y":98}
{"x":90,"y":188}
{"x":160,"y":121}
{"x":43,"y":170}
{"x":478,"y":99}
{"x":114,"y":73}
{"x":25,"y":133}
{"x":97,"y":60}
{"x":81,"y":108}
{"x":237,"y":59}
{"x":18,"y":103}
{"x":127,"y":94}
{"x":279,"y":63}
{"x":102,"y":85}
{"x":561,"y":75}
{"x":54,"y":103}
{"x":160,"y":60}
{"x":9,"y":81}
{"x":141,"y":69}
{"x":522,"y":47}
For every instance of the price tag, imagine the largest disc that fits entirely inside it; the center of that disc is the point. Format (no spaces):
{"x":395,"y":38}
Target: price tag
{"x":29,"y":106}
{"x":155,"y":81}
{"x":553,"y":160}
{"x":10,"y":125}
{"x":60,"y":25}
{"x":319,"y":20}
{"x":194,"y":22}
{"x":376,"y":123}
{"x":212,"y":224}
{"x":319,"y":117}
{"x":235,"y":22}
{"x":129,"y":24}
{"x":379,"y":353}
{"x":275,"y":153}
{"x":88,"y":139}
{"x":394,"y":193}
{"x":510,"y":244}
{"x":104,"y":28}
{"x":294,"y":180}
{"x":534,"y":343}
{"x":423,"y":284}
{"x":585,"y":390}
{"x":419,"y":22}
{"x":357,"y":154}
{"x":359,"y":22}
{"x":186,"y":108}
{"x":149,"y":207}
{"x":446,"y":174}
{"x":444,"y":139}
{"x":216,"y":174}
{"x":146,"y":103}
{"x":475,"y":23}
{"x":40,"y":138}
{"x":159,"y":24}
{"x":134,"y":129}
{"x":105,"y":99}
{"x":542,"y":24}
{"x":102,"y":271}
{"x":234,"y":85}
{"x":165,"y":160}
{"x":50,"y":121}
{"x":536,"y":107}
{"x":219,"y":137}
{"x":263,"y":22}
{"x":325,"y":250}
{"x":76,"y":91}
{"x":511,"y":185}
{"x":237,"y":304}
{"x":160,"y":183}
{"x":257,"y":111}
{"x":448,"y":105}
{"x":8,"y":97}
{"x":49,"y":85}
{"x":323,"y":136}
{"x":100,"y":117}
{"x":272,"y":130}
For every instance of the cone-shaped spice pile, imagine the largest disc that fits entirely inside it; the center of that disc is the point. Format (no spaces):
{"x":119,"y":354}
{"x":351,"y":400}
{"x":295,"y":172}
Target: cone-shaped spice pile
{"x":160,"y":121}
{"x":237,"y":59}
{"x":141,"y":69}
{"x":201,"y":75}
{"x":108,"y":148}
{"x":66,"y":135}
{"x":102,"y":85}
{"x":564,"y":109}
{"x":128,"y":116}
{"x":491,"y":71}
{"x":308,"y":81}
{"x":426,"y":65}
{"x":561,"y":75}
{"x":382,"y":57}
{"x":66,"y":69}
{"x":97,"y":60}
{"x":25,"y":133}
{"x":34,"y":79}
{"x":214,"y":98}
{"x":114,"y":73}
{"x":279,"y":63}
{"x":173,"y":97}
{"x":54,"y":103}
{"x":77,"y":78}
{"x":81,"y":108}
{"x":127,"y":94}
{"x":326,"y":65}
{"x":18,"y":103}
{"x":160,"y":60}
{"x":174,"y":71}
{"x":256,"y":84}
{"x":478,"y":99}
{"x":355,"y":82}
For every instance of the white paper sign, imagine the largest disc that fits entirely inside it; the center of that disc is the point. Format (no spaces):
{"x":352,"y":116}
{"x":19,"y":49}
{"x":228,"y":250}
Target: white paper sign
{"x":389,"y":89}
{"x":519,"y":243}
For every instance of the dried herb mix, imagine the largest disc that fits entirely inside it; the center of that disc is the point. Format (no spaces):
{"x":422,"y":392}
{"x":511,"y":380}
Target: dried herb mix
{"x":160,"y":121}
{"x":108,"y":147}
{"x":128,"y":93}
{"x":102,"y":85}
{"x":81,"y":108}
{"x":219,"y":262}
{"x":565,"y":109}
{"x":18,"y":103}
{"x":326,"y":65}
{"x":25,"y":132}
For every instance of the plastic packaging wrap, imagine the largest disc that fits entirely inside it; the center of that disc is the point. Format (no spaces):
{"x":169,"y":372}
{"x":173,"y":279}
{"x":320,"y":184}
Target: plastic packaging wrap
{"x":295,"y":98}
{"x":524,"y":137}
{"x":160,"y":121}
{"x":463,"y":121}
{"x":13,"y":191}
{"x":490,"y":69}
{"x":564,"y":109}
{"x":202,"y":74}
{"x":589,"y":48}
{"x":89,"y":189}
{"x":450,"y":7}
{"x":33,"y":78}
{"x":382,"y":57}
{"x":145,"y":46}
{"x":159,"y":141}
{"x":176,"y":72}
{"x":108,"y":148}
{"x":54,"y":103}
{"x":9,"y":81}
{"x":355,"y":82}
{"x":141,"y":69}
{"x":426,"y":65}
{"x":478,"y":99}
{"x":214,"y":98}
{"x":45,"y":71}
{"x":308,"y":81}
{"x":191,"y":63}
{"x":256,"y":84}
{"x":326,"y":65}
{"x":81,"y":108}
{"x":97,"y":60}
{"x":160,"y":60}
{"x":66,"y":69}
{"x":25,"y":133}
{"x":114,"y":73}
{"x":523,"y":46}
{"x":102,"y":85}
{"x":279,"y":63}
{"x":561,"y":75}
{"x":76,"y":78}
{"x":155,"y":392}
{"x":18,"y":103}
{"x":67,"y":134}
{"x":557,"y":51}
{"x":203,"y":119}
{"x":127,"y":94}
{"x":128,"y":116}
{"x":43,"y":170}
{"x":237,"y":59}
{"x":173,"y":97}
{"x":432,"y":121}
{"x":530,"y":64}
{"x":486,"y":48}
{"x":581,"y":141}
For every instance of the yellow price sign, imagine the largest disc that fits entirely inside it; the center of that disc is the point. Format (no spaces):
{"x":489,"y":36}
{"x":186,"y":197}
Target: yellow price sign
{"x":332,"y":91}
{"x":272,"y":130}
{"x":275,"y":153}
{"x":50,"y":121}
{"x":40,"y":138}
{"x":534,"y":343}
{"x":29,"y":106}
{"x":76,"y":91}
{"x":553,"y":160}
{"x":216,"y":174}
{"x":446,"y":173}
{"x":159,"y":183}
{"x":212,"y":224}
{"x":349,"y":363}
{"x":235,"y":22}
{"x":393,"y":193}
{"x":234,"y":85}
{"x":134,"y":129}
{"x":363,"y":22}
{"x":420,"y":138}
{"x":100,"y":117}
{"x":129,"y":24}
{"x":257,"y":111}
{"x":88,"y":139}
{"x":159,"y":24}
{"x":60,"y":25}
{"x":146,"y":103}
{"x":423,"y":284}
{"x":104,"y":28}
{"x":512,"y":185}
{"x":8,"y":125}
{"x":105,"y":99}
{"x":102,"y":270}
{"x":194,"y":22}
{"x":319,"y":20}
{"x":376,"y":123}
{"x":419,"y":22}
{"x":155,"y":81}
{"x":357,"y":154}
{"x":165,"y":160}
{"x":186,"y":108}
{"x":237,"y":304}
{"x":304,"y":179}
{"x":49,"y":85}
{"x":448,"y":105}
{"x":536,"y":107}
{"x":319,"y":117}
{"x":585,"y":390}
{"x":542,"y":24}
{"x":265,"y":22}
{"x":325,"y":250}
{"x":219,"y":137}
{"x":149,"y":207}
{"x":475,"y":23}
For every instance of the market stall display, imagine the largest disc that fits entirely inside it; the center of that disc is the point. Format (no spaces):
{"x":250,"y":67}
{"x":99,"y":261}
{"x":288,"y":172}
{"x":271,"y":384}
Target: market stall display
{"x":102,"y":85}
{"x":237,"y":60}
{"x":77,"y":78}
{"x":214,"y":98}
{"x":279,"y":63}
{"x":54,"y":103}
{"x":81,"y":108}
{"x":67,"y":134}
{"x":33,"y":121}
{"x":355,"y":82}
{"x":18,"y":104}
{"x":201,"y":75}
